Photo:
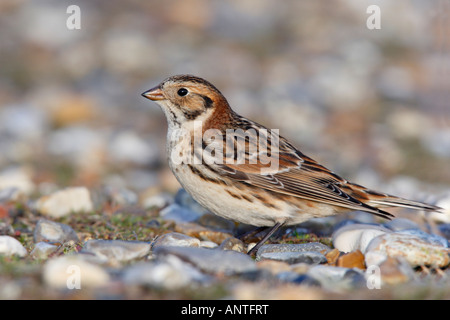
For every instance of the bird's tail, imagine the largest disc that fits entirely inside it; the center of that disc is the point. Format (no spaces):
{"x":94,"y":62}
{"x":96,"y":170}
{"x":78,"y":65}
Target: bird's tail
{"x":382,"y":200}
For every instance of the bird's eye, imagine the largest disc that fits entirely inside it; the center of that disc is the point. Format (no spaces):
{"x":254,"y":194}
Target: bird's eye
{"x":182,"y":92}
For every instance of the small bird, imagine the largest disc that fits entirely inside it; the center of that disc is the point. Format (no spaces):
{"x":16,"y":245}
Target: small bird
{"x":243,"y":171}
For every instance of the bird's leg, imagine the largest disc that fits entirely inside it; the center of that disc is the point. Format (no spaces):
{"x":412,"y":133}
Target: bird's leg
{"x":266,"y":237}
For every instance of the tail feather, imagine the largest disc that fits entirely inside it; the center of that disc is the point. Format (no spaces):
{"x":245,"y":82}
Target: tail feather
{"x":382,"y":200}
{"x":391,"y":201}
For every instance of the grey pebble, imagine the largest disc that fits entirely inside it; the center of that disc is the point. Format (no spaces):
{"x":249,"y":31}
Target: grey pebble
{"x":445,"y":230}
{"x":167,"y":273}
{"x":178,"y":213}
{"x":175,"y":239}
{"x":294,"y":277}
{"x":42,"y":250}
{"x":50,"y":231}
{"x":289,"y":247}
{"x":291,"y":257}
{"x":211,"y":260}
{"x":185,"y":200}
{"x":232,"y":243}
{"x":337,"y":277}
{"x":398,"y":224}
{"x":431,"y":238}
{"x":117,"y":250}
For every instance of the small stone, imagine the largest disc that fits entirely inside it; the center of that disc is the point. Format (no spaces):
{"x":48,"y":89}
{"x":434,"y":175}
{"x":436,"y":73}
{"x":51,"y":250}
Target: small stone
{"x":335,"y":278}
{"x":152,"y":198}
{"x":73,"y":272}
{"x":117,"y":250}
{"x":64,"y":202}
{"x":356,"y":236}
{"x":395,"y":271}
{"x":401,"y":224}
{"x":178,"y":213}
{"x":42,"y":250}
{"x":273,"y":266}
{"x":169,"y":273}
{"x":128,"y":147}
{"x":353,"y":259}
{"x":431,"y":238}
{"x":11,"y":194}
{"x":288,"y":247}
{"x":413,"y":249}
{"x":189,"y":228}
{"x":120,"y":196}
{"x":444,"y":229}
{"x":332,"y":256}
{"x":309,"y":257}
{"x":232,"y":243}
{"x":10,"y":246}
{"x":208,"y":244}
{"x":211,"y":260}
{"x":18,"y":179}
{"x":214,"y":236}
{"x":51,"y":231}
{"x":176,"y":239}
{"x":185,"y":200}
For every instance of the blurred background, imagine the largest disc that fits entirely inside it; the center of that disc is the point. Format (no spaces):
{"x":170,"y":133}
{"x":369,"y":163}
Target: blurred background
{"x":371,"y":105}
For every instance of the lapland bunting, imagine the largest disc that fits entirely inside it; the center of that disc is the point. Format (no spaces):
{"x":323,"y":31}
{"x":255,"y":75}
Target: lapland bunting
{"x":240,"y":170}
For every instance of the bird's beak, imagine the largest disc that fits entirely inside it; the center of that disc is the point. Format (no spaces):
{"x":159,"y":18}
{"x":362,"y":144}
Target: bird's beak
{"x":154,"y":94}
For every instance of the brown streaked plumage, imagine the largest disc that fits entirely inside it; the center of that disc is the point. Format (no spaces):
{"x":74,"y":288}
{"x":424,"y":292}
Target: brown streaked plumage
{"x":244,"y":186}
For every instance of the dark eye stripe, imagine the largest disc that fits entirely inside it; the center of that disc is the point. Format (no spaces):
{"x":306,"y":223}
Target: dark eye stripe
{"x":191,"y":115}
{"x":208,"y":101}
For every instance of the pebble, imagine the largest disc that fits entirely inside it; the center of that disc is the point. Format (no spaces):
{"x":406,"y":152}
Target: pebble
{"x":401,"y":224}
{"x":356,"y":236}
{"x":149,"y":199}
{"x":353,"y":259}
{"x":11,"y":194}
{"x":337,"y":278}
{"x":300,"y":279}
{"x":169,"y":273}
{"x":431,"y":238}
{"x":73,"y":272}
{"x":175,"y":239}
{"x":444,"y":229}
{"x":289,"y":247}
{"x":10,"y":246}
{"x":309,"y":257}
{"x":214,"y":236}
{"x":50,"y":231}
{"x":117,"y":250}
{"x":211,"y":260}
{"x":120,"y":196}
{"x":415,"y":250}
{"x":64,"y":202}
{"x":185,"y":200}
{"x":232,"y":243}
{"x":208,"y":244}
{"x":17,"y":178}
{"x":42,"y":250}
{"x":178,"y":213}
{"x":395,"y":271}
{"x":273,"y":266}
{"x":128,"y":147}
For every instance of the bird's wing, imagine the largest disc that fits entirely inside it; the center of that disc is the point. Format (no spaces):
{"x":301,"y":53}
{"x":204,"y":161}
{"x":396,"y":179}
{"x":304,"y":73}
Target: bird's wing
{"x":297,"y":175}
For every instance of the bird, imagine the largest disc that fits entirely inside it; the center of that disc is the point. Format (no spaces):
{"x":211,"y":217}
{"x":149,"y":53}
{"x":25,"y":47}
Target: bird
{"x":242,"y":171}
